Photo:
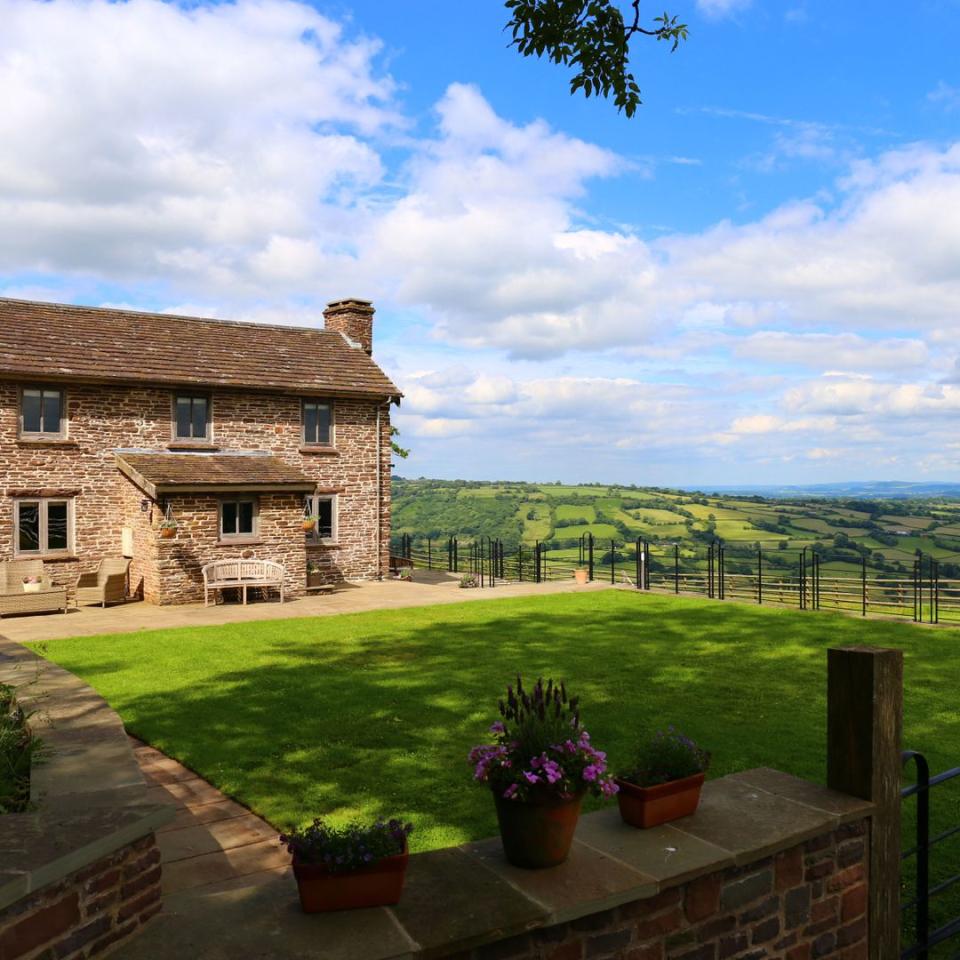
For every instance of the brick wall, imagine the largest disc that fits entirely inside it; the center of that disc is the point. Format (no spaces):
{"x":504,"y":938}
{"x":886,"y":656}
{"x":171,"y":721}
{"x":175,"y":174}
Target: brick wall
{"x":88,"y":912}
{"x":105,"y":418}
{"x":805,"y":903}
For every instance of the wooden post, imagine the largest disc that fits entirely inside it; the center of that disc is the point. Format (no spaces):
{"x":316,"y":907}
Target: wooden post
{"x":864,"y":730}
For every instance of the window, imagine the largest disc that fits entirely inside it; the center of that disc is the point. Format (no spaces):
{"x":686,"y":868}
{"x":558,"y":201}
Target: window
{"x":324,"y":508}
{"x":43,"y":526}
{"x":317,"y":423}
{"x":191,"y":417}
{"x":238,"y":519}
{"x":41,"y":412}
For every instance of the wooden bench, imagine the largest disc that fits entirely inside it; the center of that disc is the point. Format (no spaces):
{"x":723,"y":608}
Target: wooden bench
{"x":241,"y":575}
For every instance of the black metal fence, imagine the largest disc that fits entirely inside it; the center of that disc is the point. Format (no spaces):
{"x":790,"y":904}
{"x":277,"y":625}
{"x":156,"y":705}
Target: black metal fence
{"x":927,"y":930}
{"x":795,"y":578}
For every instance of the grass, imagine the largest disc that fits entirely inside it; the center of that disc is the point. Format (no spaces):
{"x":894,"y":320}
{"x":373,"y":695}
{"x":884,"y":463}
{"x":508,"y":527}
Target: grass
{"x":373,"y":713}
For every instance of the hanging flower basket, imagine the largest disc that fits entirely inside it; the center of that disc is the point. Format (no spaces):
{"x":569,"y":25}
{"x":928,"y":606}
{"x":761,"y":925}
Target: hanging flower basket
{"x":168,"y":526}
{"x":309,"y":524}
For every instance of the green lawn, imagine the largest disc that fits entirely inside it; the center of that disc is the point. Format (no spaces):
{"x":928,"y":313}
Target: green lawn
{"x":374,"y":713}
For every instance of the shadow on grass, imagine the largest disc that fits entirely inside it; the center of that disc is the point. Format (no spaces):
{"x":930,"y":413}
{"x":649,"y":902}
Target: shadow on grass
{"x":373,"y":714}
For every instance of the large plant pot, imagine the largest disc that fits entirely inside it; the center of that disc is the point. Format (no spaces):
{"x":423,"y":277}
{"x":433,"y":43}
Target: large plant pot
{"x":379,"y":885}
{"x":581,"y":576}
{"x":537,"y":833}
{"x":651,"y":806}
{"x":168,"y":533}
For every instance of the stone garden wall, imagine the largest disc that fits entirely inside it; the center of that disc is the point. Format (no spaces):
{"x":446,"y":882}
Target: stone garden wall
{"x":80,"y":871}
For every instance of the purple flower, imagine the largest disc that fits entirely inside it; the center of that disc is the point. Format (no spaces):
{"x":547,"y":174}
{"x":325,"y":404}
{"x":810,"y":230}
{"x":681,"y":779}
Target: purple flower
{"x":498,"y":727}
{"x":591,"y":772}
{"x":510,"y":791}
{"x":531,"y":777}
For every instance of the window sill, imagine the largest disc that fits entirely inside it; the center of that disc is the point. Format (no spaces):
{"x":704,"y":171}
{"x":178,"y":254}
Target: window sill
{"x":47,"y":557}
{"x":62,"y":442}
{"x":318,"y":451}
{"x":328,"y":544}
{"x":240,"y":542}
{"x":190,"y":445}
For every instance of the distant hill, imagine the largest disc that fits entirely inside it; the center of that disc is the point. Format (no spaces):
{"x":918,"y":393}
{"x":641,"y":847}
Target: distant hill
{"x":883,"y":524}
{"x":875,"y":489}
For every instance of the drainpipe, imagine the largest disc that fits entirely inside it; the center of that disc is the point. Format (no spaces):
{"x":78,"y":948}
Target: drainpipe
{"x":384,"y":406}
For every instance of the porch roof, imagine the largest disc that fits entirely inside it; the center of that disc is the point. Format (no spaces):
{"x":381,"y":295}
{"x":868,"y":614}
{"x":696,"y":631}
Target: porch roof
{"x":165,"y":473}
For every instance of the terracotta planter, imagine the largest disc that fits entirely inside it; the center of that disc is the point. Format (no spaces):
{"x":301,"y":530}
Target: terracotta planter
{"x":537,"y":833}
{"x":379,"y":885}
{"x":650,"y":806}
{"x":168,"y":533}
{"x":581,"y":576}
{"x":308,"y":525}
{"x":315,"y":580}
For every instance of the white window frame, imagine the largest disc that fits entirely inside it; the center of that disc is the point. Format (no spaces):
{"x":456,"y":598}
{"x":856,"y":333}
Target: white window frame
{"x":43,"y":503}
{"x":314,"y":535}
{"x":239,"y":537}
{"x":41,"y":434}
{"x":319,"y":401}
{"x":191,"y":395}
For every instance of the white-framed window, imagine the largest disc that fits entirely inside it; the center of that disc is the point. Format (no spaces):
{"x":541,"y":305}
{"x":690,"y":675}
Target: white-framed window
{"x":317,"y":417}
{"x":191,"y":417}
{"x":42,"y":412}
{"x":42,"y":527}
{"x":239,"y":518}
{"x":323,"y":506}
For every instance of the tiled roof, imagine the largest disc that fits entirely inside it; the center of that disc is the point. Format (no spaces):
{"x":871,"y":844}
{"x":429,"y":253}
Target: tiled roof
{"x":97,"y":344}
{"x":159,"y":473}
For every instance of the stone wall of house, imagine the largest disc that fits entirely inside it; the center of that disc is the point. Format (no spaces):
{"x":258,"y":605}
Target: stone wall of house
{"x":87,"y":912}
{"x":806,"y":902}
{"x":179,"y":578}
{"x":103,"y":419}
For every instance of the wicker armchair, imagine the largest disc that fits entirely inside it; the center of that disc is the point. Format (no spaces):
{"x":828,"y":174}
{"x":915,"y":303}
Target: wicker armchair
{"x":107,"y":584}
{"x":14,"y":598}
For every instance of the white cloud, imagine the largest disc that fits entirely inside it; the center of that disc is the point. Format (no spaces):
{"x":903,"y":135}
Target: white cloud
{"x":207,"y":143}
{"x":947,"y":96}
{"x":721,"y":8}
{"x":845,"y":350}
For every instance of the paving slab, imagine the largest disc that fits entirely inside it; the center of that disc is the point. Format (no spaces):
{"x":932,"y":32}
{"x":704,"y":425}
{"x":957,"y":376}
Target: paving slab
{"x":667,"y":854}
{"x":205,"y":813}
{"x":191,"y":792}
{"x":213,"y":867}
{"x":749,"y":822}
{"x":841,"y":805}
{"x":450,"y":905}
{"x":263,"y":921}
{"x":588,"y":882}
{"x":214,"y":836}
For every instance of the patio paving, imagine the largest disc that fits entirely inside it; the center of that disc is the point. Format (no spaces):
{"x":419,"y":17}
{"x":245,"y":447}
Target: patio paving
{"x":429,"y":587}
{"x":211,"y":839}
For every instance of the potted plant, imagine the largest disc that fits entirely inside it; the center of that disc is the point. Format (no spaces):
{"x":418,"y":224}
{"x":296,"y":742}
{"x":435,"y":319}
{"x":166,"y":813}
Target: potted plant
{"x":32,"y":584}
{"x":168,"y":529}
{"x":314,"y":575}
{"x":468,"y":581}
{"x":539,"y":768}
{"x":345,"y":868}
{"x":405,"y":573}
{"x":309,"y":524}
{"x":581,"y":575}
{"x":665,"y":780}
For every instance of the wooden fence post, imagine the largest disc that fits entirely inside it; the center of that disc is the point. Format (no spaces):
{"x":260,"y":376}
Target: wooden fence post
{"x":864,"y":731}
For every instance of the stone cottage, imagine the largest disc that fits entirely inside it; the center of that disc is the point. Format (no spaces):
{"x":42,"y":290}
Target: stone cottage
{"x":114,"y":421}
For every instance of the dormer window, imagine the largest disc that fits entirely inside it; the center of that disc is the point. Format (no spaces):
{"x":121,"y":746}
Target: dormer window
{"x":191,"y":418}
{"x":42,"y":413}
{"x":317,"y":423}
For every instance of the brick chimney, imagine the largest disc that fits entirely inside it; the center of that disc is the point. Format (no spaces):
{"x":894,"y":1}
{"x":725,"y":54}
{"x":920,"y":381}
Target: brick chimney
{"x":353,"y":318}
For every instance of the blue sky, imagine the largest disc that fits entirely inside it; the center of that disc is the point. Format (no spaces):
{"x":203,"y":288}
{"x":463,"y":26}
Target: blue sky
{"x":754,"y":280}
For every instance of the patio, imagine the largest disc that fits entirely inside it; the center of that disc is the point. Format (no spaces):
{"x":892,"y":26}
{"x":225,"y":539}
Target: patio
{"x":429,"y":587}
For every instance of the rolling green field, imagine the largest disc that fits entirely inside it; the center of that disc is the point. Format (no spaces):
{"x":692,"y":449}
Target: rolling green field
{"x":885,"y":534}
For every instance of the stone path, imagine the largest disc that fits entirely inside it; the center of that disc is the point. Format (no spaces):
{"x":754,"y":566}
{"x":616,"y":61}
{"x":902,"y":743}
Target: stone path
{"x":212,"y":839}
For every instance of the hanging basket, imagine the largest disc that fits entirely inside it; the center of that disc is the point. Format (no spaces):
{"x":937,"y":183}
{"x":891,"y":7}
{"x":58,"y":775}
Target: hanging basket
{"x":168,"y":526}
